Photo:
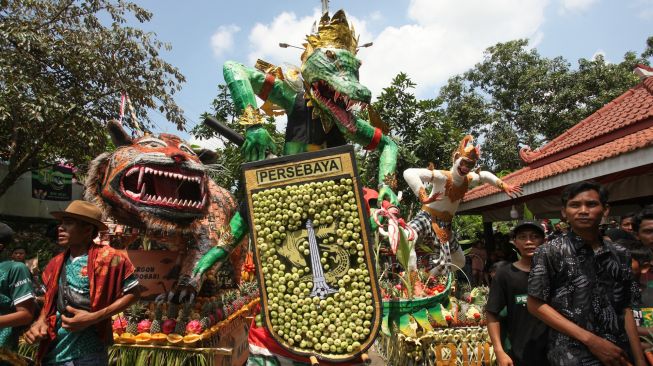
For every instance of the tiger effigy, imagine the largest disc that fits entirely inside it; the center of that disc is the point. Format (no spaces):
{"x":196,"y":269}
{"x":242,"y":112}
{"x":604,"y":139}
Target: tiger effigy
{"x":159,"y":184}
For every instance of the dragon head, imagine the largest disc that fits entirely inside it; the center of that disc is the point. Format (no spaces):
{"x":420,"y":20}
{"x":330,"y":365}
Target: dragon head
{"x":153,"y":182}
{"x":330,"y":71}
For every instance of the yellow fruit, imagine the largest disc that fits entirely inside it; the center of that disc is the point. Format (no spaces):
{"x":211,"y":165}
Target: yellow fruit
{"x":127,"y":338}
{"x":158,"y":338}
{"x":191,"y":339}
{"x":174,"y":338}
{"x":143,"y":338}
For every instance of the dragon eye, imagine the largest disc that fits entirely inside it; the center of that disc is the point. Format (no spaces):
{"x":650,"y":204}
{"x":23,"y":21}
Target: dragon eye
{"x":186,"y":149}
{"x":331,"y":55}
{"x":153,"y":143}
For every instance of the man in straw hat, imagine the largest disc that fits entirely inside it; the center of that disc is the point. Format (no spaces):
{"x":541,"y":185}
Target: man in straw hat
{"x":86,"y":285}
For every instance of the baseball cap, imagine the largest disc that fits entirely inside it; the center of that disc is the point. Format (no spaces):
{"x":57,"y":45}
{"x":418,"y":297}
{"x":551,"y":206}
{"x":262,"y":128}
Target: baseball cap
{"x":527,"y":224}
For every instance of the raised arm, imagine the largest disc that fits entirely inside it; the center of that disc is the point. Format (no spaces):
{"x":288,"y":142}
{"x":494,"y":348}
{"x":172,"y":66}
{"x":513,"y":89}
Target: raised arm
{"x":416,"y":179}
{"x":510,"y":190}
{"x":245,"y":84}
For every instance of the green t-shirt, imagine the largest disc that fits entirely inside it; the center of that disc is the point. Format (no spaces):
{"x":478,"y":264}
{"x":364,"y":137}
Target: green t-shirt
{"x":15,"y":288}
{"x":73,"y":345}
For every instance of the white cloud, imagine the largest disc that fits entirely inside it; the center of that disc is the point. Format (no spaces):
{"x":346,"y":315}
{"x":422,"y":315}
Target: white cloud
{"x":447,"y":38}
{"x":569,"y":6}
{"x":444,"y":38}
{"x":211,"y":144}
{"x":645,"y":9}
{"x":223,"y":39}
{"x":375,"y":16}
{"x":288,"y":28}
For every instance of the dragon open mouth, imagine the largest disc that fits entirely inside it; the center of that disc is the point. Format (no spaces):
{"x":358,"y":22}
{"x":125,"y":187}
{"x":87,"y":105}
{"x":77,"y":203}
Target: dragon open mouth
{"x":340,"y":105}
{"x":169,"y":187}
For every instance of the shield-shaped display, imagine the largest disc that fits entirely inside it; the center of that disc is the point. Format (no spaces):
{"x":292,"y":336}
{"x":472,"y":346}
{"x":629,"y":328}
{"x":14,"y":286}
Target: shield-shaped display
{"x":316,"y":271}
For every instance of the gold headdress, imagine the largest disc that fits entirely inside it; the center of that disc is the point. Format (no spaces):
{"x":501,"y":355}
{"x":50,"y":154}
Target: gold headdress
{"x":467,"y":150}
{"x":334,"y":32}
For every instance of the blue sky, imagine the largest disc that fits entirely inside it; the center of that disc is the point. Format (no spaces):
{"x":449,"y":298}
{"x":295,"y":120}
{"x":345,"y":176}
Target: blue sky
{"x":431,"y":40}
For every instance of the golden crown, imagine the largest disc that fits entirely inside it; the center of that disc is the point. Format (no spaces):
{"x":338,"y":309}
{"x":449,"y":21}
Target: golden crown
{"x":334,"y":32}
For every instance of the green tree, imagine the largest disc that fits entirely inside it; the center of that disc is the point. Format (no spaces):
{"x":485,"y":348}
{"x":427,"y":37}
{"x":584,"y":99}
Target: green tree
{"x":226,"y":171}
{"x":648,"y":52}
{"x":515,"y":97}
{"x":63,"y":65}
{"x":422,"y":135}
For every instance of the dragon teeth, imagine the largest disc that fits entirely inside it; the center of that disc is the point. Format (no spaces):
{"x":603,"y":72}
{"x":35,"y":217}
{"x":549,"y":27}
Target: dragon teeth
{"x":131,"y":171}
{"x":140,"y":177}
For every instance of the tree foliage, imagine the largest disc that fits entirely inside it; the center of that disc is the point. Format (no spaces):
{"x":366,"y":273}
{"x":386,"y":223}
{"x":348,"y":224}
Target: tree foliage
{"x":228,"y":172}
{"x":423,"y":136}
{"x":515,"y":97}
{"x":63,"y":66}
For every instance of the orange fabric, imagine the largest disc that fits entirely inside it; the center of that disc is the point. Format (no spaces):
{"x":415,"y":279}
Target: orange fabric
{"x":108,"y":269}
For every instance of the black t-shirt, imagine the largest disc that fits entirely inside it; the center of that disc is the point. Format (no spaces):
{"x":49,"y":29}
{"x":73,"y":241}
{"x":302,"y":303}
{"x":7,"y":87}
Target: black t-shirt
{"x":527,"y":335}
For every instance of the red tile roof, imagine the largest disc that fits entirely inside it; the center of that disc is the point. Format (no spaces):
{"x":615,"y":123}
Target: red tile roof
{"x":623,"y":125}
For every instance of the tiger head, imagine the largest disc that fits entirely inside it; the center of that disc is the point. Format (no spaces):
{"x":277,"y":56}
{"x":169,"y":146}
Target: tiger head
{"x":151,"y":182}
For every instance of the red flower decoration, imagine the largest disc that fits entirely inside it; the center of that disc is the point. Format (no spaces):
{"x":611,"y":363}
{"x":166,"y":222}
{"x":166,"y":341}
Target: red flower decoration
{"x":84,"y":271}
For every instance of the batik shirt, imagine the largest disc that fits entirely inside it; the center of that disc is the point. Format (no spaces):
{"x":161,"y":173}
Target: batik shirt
{"x":15,"y":288}
{"x":590,"y":288}
{"x":73,"y":345}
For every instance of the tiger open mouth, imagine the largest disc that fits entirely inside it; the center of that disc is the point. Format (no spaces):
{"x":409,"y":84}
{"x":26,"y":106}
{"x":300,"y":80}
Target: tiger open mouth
{"x":165,"y":187}
{"x":340,"y":105}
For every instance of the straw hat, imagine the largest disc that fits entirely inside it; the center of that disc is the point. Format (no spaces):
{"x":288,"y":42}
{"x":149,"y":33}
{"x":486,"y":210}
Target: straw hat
{"x":84,"y":211}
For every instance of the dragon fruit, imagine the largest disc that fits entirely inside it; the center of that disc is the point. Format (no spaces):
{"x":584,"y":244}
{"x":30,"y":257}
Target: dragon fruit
{"x":119,"y":324}
{"x":144,"y":326}
{"x":169,"y":326}
{"x":219,"y":314}
{"x":194,"y":327}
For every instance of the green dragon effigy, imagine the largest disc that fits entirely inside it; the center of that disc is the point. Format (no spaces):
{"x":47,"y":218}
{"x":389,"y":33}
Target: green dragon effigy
{"x":320,"y":99}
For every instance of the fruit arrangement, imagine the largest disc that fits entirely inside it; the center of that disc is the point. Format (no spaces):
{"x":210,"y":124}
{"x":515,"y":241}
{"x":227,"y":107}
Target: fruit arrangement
{"x":319,"y":293}
{"x":423,"y":285}
{"x":184,"y":324}
{"x":450,"y":346}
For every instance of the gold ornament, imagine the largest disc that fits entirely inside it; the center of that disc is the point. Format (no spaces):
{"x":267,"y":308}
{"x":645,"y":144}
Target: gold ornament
{"x":251,"y":116}
{"x":334,"y":32}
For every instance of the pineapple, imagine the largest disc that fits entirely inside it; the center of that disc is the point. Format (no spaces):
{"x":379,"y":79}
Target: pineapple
{"x":205,"y":321}
{"x":183,"y":318}
{"x":249,"y":290}
{"x":239,"y":301}
{"x":156,"y":323}
{"x":228,"y":302}
{"x":134,"y":314}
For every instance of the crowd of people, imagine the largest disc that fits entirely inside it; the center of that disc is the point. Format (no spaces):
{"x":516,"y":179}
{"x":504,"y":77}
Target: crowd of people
{"x":579,"y":297}
{"x":84,"y":286}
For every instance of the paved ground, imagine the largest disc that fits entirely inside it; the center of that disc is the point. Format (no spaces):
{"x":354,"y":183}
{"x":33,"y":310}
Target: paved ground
{"x":375,"y":357}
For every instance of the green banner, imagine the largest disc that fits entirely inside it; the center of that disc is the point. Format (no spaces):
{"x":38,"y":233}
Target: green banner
{"x":52,"y":184}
